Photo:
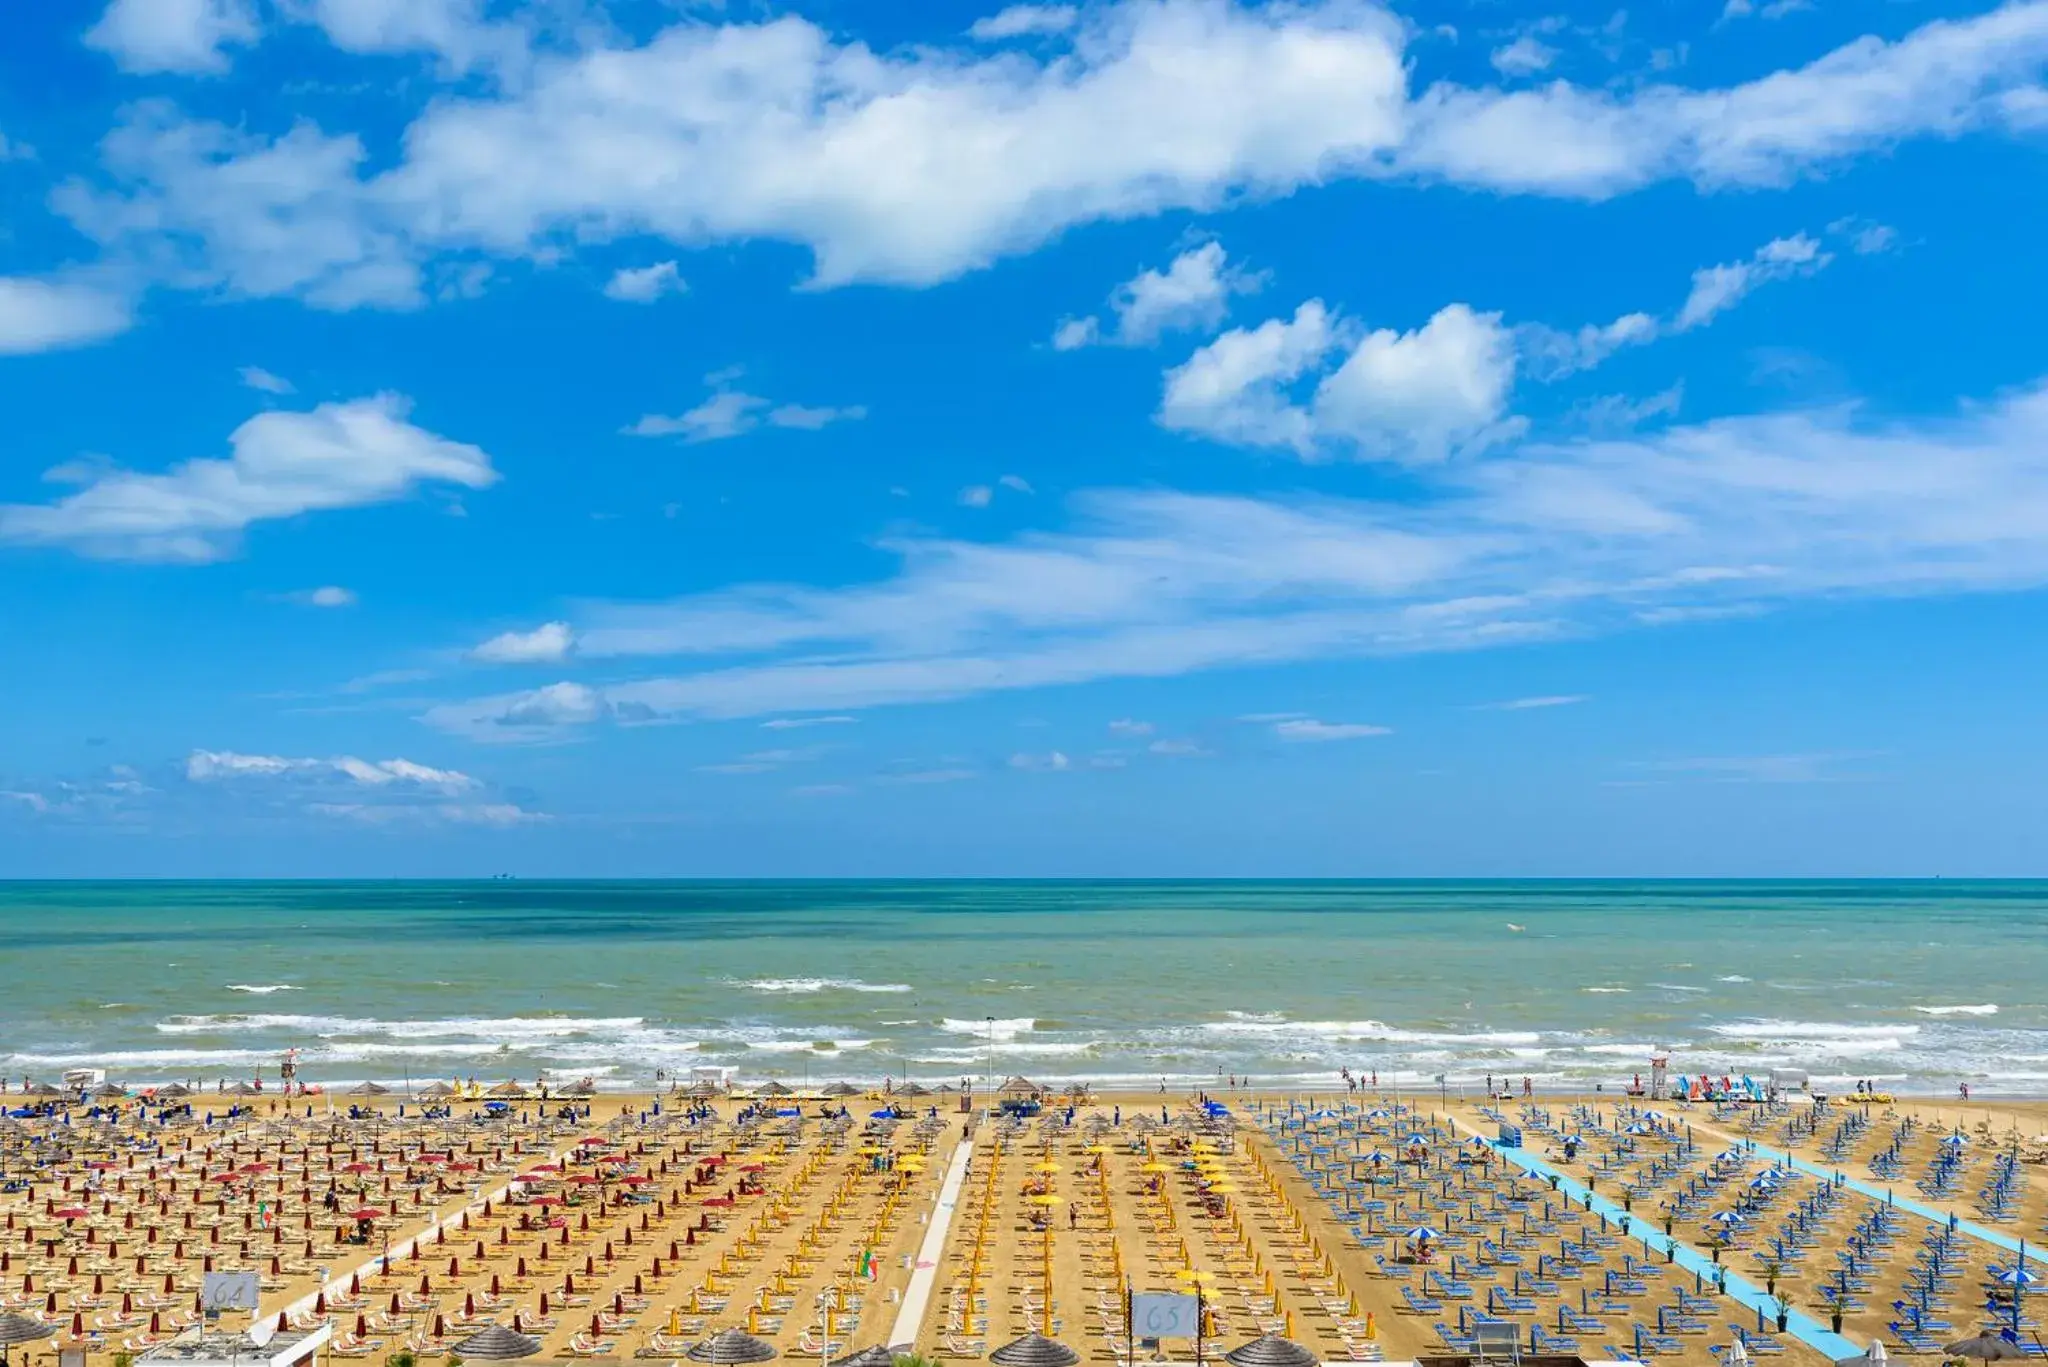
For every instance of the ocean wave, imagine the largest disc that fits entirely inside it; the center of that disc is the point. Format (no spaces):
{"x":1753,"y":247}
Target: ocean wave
{"x":1372,"y":1030}
{"x":807,"y":986}
{"x":1605,"y":990}
{"x":986,"y":1029}
{"x":263,"y":989}
{"x":1774,"y":1030}
{"x":1732,"y":978}
{"x":802,"y":1046}
{"x":493,"y":1028}
{"x":1982,"y":1009}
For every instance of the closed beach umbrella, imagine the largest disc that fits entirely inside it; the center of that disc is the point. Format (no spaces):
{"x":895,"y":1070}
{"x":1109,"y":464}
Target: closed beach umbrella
{"x":1034,"y":1350}
{"x":498,"y":1344}
{"x":1271,"y":1350}
{"x":731,"y":1347}
{"x":1986,"y":1348}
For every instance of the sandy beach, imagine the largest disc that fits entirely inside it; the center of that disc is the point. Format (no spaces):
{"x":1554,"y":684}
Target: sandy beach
{"x":626,"y":1226}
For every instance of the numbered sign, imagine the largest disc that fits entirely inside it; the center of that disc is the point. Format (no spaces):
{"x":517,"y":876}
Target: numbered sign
{"x":1164,"y":1315}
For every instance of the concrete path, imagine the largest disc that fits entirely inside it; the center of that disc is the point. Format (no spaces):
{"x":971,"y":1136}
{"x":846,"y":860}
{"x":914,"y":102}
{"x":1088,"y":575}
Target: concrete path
{"x":917,"y":1296}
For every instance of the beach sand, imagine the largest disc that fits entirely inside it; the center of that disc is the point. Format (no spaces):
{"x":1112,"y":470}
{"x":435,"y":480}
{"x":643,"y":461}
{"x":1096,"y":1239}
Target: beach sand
{"x":669,"y":1230}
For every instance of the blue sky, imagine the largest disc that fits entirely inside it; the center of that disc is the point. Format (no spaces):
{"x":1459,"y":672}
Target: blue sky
{"x":1151,"y":437}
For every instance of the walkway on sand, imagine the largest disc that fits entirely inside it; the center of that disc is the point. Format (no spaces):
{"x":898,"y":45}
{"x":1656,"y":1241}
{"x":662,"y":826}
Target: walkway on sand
{"x":917,"y":1297}
{"x":1801,"y":1326}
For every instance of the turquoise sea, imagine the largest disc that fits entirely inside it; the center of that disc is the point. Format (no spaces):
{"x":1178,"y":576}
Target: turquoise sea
{"x":1916,"y":985}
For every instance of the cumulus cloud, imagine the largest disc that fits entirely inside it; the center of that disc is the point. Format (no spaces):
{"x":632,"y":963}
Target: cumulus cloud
{"x":548,"y":643}
{"x":1414,"y":396}
{"x":340,"y":455}
{"x":1192,"y":293}
{"x":47,"y":315}
{"x":1025,"y":21}
{"x":1541,"y":541}
{"x":646,"y":284}
{"x":920,"y":163}
{"x":185,"y":36}
{"x":1525,"y":56}
{"x":326,"y":596}
{"x":1053,"y":762}
{"x":1432,"y":392}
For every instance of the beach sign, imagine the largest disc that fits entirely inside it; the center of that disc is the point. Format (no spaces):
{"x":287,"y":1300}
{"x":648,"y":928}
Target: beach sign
{"x":228,"y":1291}
{"x":1165,"y":1315}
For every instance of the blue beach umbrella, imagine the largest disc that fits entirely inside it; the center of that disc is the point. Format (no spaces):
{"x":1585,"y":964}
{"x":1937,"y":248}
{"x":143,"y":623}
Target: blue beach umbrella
{"x":1418,"y":1233}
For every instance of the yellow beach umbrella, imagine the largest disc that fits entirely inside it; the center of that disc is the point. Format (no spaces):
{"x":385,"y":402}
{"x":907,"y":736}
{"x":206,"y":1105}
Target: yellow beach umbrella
{"x":1046,"y":1199}
{"x":1047,"y":1166}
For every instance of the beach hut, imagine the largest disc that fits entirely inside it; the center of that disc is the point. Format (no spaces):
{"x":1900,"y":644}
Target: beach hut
{"x":496,"y":1343}
{"x":1034,"y":1350}
{"x":1270,"y":1350}
{"x":731,"y":1348}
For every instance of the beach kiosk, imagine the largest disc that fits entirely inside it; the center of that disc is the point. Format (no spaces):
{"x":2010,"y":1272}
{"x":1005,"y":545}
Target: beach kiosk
{"x":261,"y":1346}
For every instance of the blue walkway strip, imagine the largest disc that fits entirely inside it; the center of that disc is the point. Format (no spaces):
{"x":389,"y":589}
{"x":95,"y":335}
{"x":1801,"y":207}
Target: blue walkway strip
{"x":1877,"y":1193}
{"x":1800,"y":1325}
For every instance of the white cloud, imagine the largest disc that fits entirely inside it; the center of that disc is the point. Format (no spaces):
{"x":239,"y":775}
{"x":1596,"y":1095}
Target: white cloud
{"x":1718,"y":288}
{"x":1865,"y":237}
{"x":1552,"y":354}
{"x":733,"y":413}
{"x":220,"y":766}
{"x":1022,"y":21}
{"x":1416,"y":397}
{"x":326,"y":596}
{"x":1127,"y":727}
{"x":45,"y":315}
{"x":184,"y":36}
{"x":340,"y":455}
{"x":809,"y":419}
{"x":261,"y":380}
{"x":1422,"y":395}
{"x":1526,"y":56}
{"x":977,"y":496}
{"x":502,"y":814}
{"x":1052,"y":763}
{"x":647,"y":283}
{"x":548,"y":643}
{"x":1552,"y":539}
{"x":453,"y":30}
{"x":1016,"y":484}
{"x":1191,"y":294}
{"x":920,"y":163}
{"x":1074,"y":333}
{"x":1308,"y":729}
{"x":1233,"y":389}
{"x":802,"y":723}
{"x":1775,"y":9}
{"x":1530,"y":704}
{"x":1176,"y":749}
